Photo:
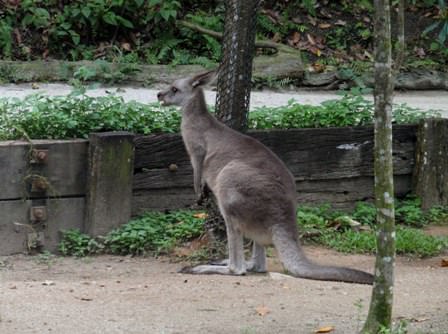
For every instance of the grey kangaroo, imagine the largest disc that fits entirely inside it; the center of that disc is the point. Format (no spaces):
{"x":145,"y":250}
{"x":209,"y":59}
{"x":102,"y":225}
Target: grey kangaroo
{"x":255,"y":191}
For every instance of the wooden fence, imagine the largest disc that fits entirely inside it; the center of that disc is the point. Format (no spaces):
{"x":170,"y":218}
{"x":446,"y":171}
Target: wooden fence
{"x":95,"y":185}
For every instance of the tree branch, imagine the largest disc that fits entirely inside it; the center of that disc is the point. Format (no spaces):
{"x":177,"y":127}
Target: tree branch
{"x":218,"y":35}
{"x":400,"y":47}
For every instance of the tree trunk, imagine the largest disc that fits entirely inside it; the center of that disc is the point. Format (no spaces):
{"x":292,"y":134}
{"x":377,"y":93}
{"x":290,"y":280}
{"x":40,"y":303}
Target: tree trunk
{"x":380,"y":311}
{"x":234,"y":81}
{"x":234,"y":84}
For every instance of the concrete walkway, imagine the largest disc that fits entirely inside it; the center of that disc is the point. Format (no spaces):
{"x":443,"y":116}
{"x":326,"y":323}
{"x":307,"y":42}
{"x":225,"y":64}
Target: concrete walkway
{"x":419,"y":99}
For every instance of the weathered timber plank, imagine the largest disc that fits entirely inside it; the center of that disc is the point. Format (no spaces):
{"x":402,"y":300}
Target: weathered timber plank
{"x":162,"y":199}
{"x":341,"y":193}
{"x":65,"y":169}
{"x":344,"y":193}
{"x":62,"y":214}
{"x":160,"y":178}
{"x":109,"y":187}
{"x":159,"y":151}
{"x":310,"y":154}
{"x":431,"y":169}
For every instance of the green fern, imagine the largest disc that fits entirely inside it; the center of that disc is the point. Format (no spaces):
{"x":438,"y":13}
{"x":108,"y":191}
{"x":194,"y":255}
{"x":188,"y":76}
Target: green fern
{"x":203,"y":61}
{"x":265,"y":25}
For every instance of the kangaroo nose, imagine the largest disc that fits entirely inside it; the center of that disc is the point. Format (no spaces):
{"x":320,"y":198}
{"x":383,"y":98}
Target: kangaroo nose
{"x":159,"y":95}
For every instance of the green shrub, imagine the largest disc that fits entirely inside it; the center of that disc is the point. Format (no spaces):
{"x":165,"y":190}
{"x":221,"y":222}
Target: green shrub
{"x":154,"y":232}
{"x":409,"y":212}
{"x":75,"y":243}
{"x":77,"y":115}
{"x":409,"y":241}
{"x":415,"y":242}
{"x":365,"y":213}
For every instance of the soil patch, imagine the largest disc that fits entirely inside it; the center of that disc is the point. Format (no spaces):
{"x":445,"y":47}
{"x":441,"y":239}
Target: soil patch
{"x":109,"y":294}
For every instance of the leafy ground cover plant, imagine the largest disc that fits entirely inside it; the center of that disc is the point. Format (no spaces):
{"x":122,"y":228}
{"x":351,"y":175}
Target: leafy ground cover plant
{"x":355,"y":233}
{"x":152,"y":233}
{"x":160,"y":233}
{"x":77,"y":115}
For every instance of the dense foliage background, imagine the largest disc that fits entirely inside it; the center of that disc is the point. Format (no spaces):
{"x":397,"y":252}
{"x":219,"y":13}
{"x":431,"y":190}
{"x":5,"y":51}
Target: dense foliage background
{"x":148,"y":31}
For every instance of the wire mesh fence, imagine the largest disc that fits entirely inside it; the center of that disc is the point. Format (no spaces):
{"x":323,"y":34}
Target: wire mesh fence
{"x":234,"y":81}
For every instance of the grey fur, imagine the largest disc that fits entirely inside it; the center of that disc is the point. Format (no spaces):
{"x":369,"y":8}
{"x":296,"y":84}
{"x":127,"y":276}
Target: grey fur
{"x":255,"y":191}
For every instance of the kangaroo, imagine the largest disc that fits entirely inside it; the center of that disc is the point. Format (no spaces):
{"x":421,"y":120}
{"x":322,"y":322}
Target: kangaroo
{"x":254,"y":190}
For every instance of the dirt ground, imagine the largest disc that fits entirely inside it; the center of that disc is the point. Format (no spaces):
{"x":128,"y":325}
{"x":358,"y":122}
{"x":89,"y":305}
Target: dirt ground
{"x":109,"y":294}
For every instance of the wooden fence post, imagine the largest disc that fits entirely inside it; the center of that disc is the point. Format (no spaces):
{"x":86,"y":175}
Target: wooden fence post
{"x":109,"y":181}
{"x":430,"y":177}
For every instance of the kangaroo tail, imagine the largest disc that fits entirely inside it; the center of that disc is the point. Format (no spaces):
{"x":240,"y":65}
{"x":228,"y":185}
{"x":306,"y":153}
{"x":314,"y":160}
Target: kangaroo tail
{"x":298,"y":265}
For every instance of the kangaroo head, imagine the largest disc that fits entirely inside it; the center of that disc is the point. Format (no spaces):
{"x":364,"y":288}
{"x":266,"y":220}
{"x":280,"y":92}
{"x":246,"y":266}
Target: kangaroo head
{"x":183,"y":90}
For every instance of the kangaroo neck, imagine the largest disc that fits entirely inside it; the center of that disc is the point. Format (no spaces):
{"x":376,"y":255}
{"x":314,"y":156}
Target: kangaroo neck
{"x":195,"y":114}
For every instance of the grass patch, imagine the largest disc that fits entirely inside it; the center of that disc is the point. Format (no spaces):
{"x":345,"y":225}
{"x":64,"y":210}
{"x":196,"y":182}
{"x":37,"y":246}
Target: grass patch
{"x":410,"y":241}
{"x":355,"y":233}
{"x":77,"y":115}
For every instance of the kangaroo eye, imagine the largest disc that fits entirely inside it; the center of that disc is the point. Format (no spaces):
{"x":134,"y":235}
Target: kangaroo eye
{"x":174,"y":89}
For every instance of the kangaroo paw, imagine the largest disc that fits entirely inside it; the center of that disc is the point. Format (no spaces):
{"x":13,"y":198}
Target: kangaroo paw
{"x":223,"y":262}
{"x":211,"y":269}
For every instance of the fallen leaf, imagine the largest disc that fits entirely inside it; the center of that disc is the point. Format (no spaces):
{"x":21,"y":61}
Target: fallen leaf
{"x":276,"y":38}
{"x":18,"y":36}
{"x":324,"y":25}
{"x":262,"y":310}
{"x":340,"y":23}
{"x":311,"y":39}
{"x":48,"y":283}
{"x":295,"y":37}
{"x":200,"y":215}
{"x":273,"y":14}
{"x":326,"y":329}
{"x":312,"y":20}
{"x":317,"y":67}
{"x":126,"y":46}
{"x":315,"y":51}
{"x":419,"y":319}
{"x":325,"y":13}
{"x":444,"y":262}
{"x":278,"y":276}
{"x":420,"y":52}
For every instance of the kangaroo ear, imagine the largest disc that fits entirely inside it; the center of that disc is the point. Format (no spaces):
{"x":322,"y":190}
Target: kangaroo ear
{"x":203,"y":78}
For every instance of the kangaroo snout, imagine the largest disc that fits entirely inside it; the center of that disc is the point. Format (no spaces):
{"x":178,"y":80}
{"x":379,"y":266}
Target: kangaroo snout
{"x":160,"y":98}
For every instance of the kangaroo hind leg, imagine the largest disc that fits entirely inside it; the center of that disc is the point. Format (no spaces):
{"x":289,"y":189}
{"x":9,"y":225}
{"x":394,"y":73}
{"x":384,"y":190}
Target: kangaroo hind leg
{"x":256,"y":264}
{"x":236,"y":264}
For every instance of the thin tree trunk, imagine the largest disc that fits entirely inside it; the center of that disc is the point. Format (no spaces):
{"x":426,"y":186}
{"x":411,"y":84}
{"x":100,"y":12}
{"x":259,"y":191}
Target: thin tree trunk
{"x":238,"y":46}
{"x":400,"y":46}
{"x":233,"y":88}
{"x":380,"y":310}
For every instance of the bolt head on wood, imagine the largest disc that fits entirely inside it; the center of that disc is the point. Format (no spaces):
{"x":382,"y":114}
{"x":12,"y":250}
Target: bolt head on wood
{"x":172,"y":167}
{"x":39,"y":156}
{"x":38,"y":213}
{"x":39,"y":184}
